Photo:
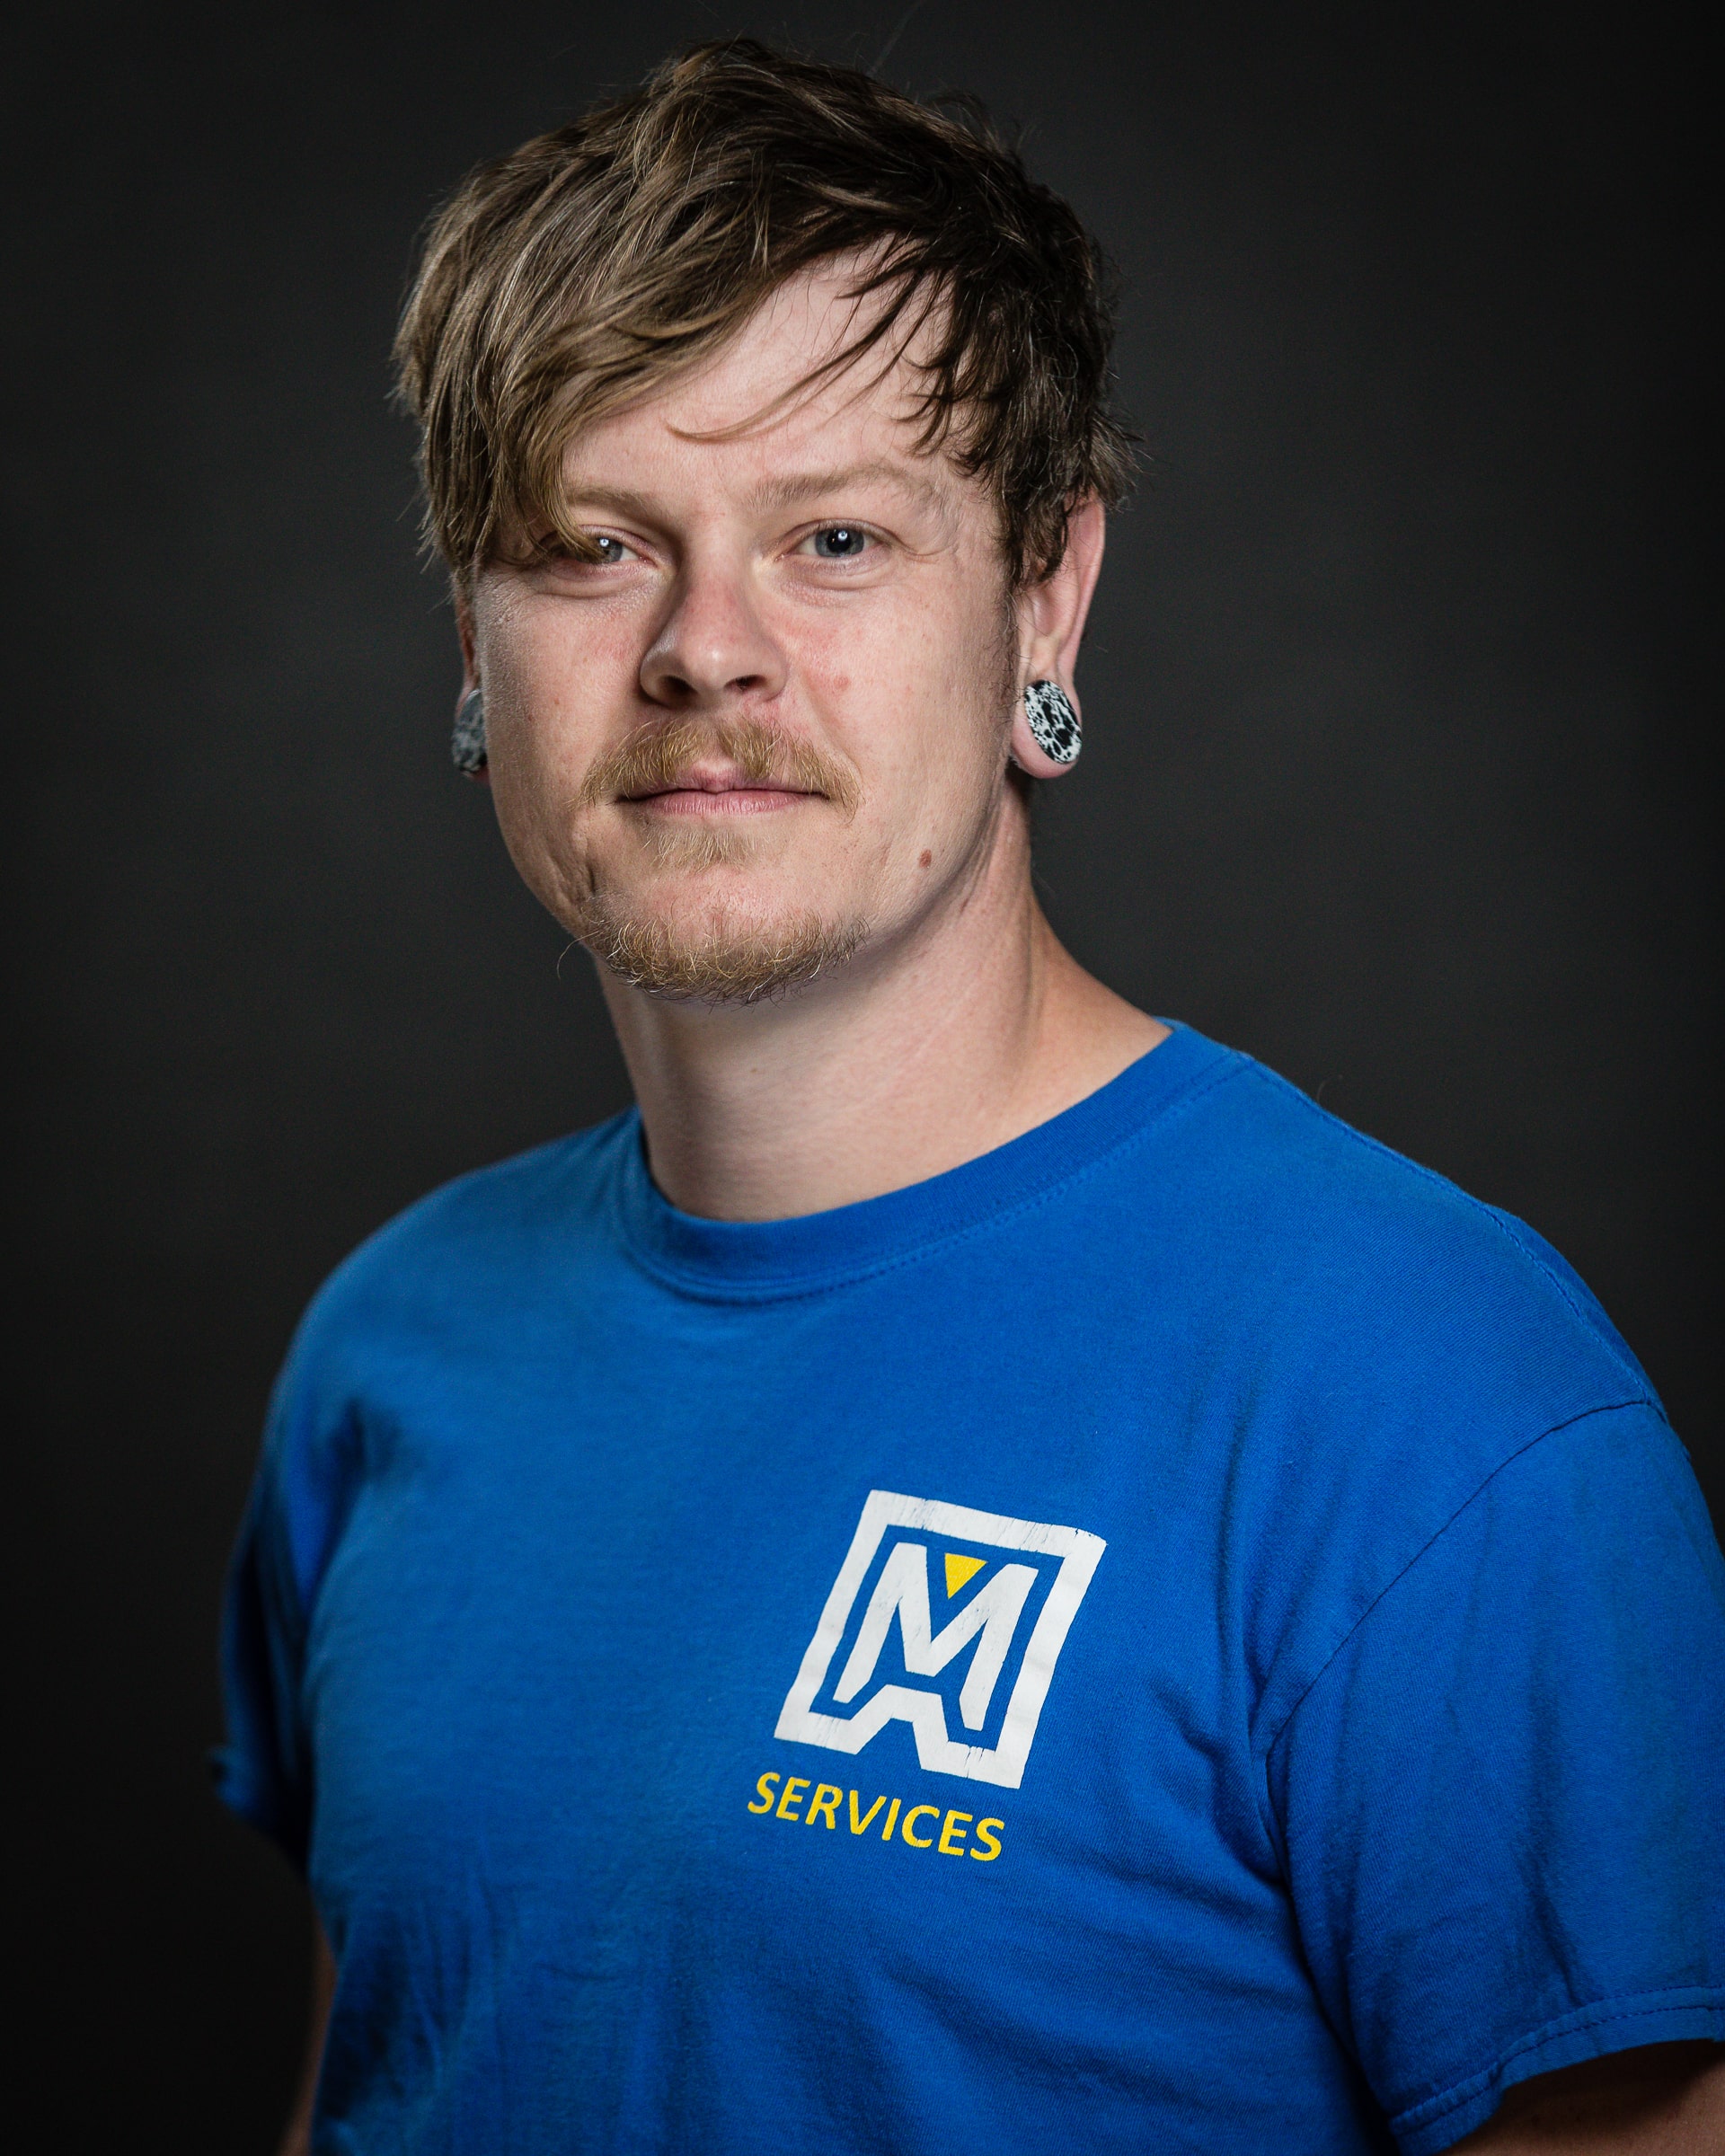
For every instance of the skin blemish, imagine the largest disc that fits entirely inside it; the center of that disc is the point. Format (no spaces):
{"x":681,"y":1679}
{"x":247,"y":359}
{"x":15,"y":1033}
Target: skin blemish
{"x":924,"y":859}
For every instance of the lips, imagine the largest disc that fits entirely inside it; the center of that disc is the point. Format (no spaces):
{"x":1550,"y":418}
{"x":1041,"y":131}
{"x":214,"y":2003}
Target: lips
{"x":711,"y":768}
{"x":701,"y":796}
{"x":717,"y":789}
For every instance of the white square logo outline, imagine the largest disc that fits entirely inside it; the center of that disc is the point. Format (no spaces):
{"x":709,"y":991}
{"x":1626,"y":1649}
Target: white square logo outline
{"x":937,"y":1752}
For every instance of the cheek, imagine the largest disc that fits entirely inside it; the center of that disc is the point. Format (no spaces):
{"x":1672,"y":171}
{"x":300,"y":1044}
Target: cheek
{"x":528,"y":820}
{"x":911,"y":694}
{"x":543,"y":731}
{"x":554,"y":699}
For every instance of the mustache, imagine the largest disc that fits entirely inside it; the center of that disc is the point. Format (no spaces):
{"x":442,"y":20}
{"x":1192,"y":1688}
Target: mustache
{"x":658,"y":758}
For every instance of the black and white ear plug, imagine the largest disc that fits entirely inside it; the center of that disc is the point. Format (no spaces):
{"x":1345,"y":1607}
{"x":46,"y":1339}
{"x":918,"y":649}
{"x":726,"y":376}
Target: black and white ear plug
{"x":467,"y":743}
{"x":1053,"y":723}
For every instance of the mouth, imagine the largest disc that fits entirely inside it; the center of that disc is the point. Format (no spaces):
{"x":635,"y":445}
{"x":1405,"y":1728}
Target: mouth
{"x":711,"y":773}
{"x":718,"y":795}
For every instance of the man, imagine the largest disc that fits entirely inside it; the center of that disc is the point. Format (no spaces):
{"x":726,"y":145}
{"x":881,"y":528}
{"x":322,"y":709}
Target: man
{"x":976,"y":1574}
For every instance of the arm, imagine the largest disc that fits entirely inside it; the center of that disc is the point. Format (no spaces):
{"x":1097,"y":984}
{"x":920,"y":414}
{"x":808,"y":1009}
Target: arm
{"x":1662,"y":2100}
{"x":296,"y":2136}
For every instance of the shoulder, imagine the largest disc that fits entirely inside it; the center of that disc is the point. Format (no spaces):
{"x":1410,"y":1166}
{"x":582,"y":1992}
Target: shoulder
{"x":1376,"y":1348}
{"x":1374,"y":1274}
{"x":418,"y":1308}
{"x":480,"y":1236}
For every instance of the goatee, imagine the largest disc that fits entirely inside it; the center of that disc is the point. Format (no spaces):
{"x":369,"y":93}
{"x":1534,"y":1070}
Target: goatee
{"x":724,"y":964}
{"x":729,"y":959}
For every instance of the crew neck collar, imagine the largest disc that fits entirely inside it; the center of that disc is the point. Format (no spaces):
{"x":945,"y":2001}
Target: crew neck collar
{"x":754,"y":1261}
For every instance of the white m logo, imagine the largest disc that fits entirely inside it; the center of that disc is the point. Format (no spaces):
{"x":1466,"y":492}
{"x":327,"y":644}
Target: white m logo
{"x":990,"y":1618}
{"x":903,"y":1587}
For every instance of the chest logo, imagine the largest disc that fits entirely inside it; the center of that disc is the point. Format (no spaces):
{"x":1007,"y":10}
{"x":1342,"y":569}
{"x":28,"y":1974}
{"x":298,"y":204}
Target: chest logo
{"x":1006,"y":1590}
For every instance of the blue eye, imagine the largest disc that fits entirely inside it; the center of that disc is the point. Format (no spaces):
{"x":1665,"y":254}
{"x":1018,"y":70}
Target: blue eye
{"x":610,"y":549}
{"x":840,"y":542}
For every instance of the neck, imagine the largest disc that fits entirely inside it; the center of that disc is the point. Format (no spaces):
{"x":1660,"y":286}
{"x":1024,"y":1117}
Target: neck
{"x":970,"y":1029}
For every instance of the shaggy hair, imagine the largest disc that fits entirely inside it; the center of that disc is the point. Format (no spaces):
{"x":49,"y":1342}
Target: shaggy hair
{"x":591,"y":266}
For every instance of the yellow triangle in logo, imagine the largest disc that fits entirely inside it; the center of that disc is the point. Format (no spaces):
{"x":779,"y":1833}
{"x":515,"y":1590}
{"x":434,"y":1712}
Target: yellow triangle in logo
{"x":961,"y":1569}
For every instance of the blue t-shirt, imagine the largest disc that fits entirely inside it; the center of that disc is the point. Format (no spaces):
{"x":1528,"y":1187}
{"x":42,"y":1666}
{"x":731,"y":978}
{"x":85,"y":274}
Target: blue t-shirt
{"x":1186,"y":1633}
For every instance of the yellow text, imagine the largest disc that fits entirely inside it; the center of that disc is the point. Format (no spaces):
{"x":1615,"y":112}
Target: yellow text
{"x":957,"y":1834}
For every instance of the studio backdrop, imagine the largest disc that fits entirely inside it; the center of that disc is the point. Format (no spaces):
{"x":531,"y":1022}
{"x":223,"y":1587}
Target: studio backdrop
{"x":1397,"y":706}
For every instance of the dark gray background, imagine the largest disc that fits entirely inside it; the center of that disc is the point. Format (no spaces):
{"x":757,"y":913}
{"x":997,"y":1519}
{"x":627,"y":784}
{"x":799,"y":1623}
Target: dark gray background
{"x":1397,"y":699}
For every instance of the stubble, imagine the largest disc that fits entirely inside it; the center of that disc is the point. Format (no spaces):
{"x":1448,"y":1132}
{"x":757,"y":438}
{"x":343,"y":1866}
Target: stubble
{"x":729,"y":957}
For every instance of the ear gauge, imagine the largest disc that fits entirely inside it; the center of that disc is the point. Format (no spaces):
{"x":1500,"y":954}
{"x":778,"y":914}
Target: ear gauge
{"x":1053,"y":723}
{"x":467,"y":743}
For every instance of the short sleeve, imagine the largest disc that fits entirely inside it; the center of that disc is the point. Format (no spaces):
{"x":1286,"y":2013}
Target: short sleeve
{"x":1500,"y":1800}
{"x":298,"y":1500}
{"x":261,"y":1772}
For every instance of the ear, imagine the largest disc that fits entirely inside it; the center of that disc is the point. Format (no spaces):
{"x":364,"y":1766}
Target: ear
{"x":1051,"y":616}
{"x":464,"y":605}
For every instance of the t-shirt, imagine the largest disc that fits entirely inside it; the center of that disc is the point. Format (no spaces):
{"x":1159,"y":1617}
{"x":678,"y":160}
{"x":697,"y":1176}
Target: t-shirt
{"x":1185,"y":1633}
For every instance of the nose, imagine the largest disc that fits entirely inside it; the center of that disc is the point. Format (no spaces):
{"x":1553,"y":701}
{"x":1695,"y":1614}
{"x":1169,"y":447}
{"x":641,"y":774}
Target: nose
{"x":712,"y":648}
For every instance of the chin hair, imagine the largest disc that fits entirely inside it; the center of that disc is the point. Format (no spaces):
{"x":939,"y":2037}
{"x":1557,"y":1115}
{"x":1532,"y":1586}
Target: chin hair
{"x":693,"y":846}
{"x":728,"y":962}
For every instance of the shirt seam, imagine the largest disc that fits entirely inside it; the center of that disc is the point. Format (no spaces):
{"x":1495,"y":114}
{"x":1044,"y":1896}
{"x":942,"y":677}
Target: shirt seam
{"x":1610,"y":1407}
{"x":697,"y":1288}
{"x":1628,"y":2006}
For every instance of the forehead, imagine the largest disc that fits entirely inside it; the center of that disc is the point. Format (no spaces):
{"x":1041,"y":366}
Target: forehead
{"x":751,"y":411}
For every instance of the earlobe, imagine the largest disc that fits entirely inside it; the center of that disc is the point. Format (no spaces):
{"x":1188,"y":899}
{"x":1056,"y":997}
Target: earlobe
{"x":467,"y":742}
{"x":1047,"y":731}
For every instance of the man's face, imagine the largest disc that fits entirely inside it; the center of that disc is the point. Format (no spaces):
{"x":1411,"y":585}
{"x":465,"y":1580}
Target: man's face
{"x":769,"y":729}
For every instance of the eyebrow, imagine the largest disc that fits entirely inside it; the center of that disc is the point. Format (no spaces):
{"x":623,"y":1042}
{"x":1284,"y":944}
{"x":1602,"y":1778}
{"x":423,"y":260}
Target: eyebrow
{"x":782,"y":492}
{"x":803,"y":486}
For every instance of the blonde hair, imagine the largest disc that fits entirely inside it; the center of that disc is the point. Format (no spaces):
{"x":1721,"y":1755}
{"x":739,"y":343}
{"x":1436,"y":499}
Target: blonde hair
{"x":593,"y":264}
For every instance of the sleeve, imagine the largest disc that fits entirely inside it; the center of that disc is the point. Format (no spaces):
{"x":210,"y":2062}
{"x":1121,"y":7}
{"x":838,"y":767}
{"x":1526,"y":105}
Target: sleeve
{"x":1501,"y":1802}
{"x":299,"y":1497}
{"x":262,"y":1771}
